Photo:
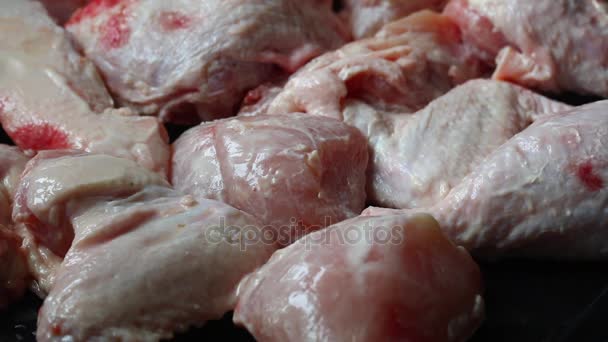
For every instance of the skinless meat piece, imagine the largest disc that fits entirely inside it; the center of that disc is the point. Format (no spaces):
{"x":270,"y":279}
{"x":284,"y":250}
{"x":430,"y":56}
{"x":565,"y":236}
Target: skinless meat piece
{"x":55,"y":186}
{"x":393,"y":278}
{"x":52,"y":98}
{"x":13,"y":268}
{"x":194,"y":60}
{"x":146,"y":266}
{"x":14,"y":275}
{"x":295,"y":172}
{"x":405,"y":66}
{"x":550,"y":45}
{"x":61,"y":10}
{"x":541,"y":194}
{"x":367,"y":17}
{"x":417,"y":159}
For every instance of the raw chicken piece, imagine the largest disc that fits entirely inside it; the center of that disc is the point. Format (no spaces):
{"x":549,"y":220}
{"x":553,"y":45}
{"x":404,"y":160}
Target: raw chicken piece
{"x":193,"y":60}
{"x":367,"y":17}
{"x":393,"y":278}
{"x":57,"y":185}
{"x":551,"y":45}
{"x":291,"y":171}
{"x":61,"y":10}
{"x":417,"y":159}
{"x":149,"y":265}
{"x":52,"y":98}
{"x":13,"y":268}
{"x":12,"y":163}
{"x":541,"y":194}
{"x":405,"y":66}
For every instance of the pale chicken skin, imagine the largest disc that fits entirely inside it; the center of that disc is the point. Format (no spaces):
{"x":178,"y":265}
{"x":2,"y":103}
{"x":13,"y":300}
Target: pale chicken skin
{"x":393,"y":278}
{"x":144,"y":267}
{"x":191,"y":60}
{"x":416,"y":159}
{"x":12,"y":163}
{"x":405,"y":66}
{"x":52,"y":98}
{"x":55,"y":186}
{"x":295,"y":172}
{"x":14,"y":275}
{"x":550,"y":45}
{"x":366,"y":17}
{"x":542,"y":194}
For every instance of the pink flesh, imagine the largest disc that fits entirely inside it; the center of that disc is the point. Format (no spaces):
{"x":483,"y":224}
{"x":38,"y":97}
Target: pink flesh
{"x":325,"y":287}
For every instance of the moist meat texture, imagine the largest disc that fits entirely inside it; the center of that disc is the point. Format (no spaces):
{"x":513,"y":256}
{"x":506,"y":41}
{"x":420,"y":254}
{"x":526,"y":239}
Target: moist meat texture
{"x":549,"y":45}
{"x":393,"y":278}
{"x":193,"y":60}
{"x":52,"y":98}
{"x":296,"y":172}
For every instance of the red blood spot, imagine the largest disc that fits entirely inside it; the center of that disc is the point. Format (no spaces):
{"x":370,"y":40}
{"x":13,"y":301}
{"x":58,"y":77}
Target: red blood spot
{"x":56,"y":329}
{"x":91,"y":10}
{"x":171,"y":21}
{"x":115,"y":32}
{"x":40,"y":137}
{"x":592,"y":181}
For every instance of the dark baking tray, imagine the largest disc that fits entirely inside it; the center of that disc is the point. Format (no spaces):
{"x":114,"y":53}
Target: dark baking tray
{"x":525,"y":300}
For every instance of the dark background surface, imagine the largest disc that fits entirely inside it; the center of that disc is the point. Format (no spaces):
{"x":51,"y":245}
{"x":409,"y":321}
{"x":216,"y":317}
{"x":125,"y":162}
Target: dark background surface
{"x":525,"y":300}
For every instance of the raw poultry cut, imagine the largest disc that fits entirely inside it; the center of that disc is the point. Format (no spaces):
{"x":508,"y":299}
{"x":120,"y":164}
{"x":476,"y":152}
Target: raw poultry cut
{"x":150,"y":261}
{"x":52,"y":98}
{"x":550,"y":45}
{"x":393,"y":278}
{"x":405,"y":66}
{"x":150,"y":265}
{"x":12,"y":163}
{"x":55,"y":186}
{"x":541,"y":194}
{"x":367,"y":17}
{"x":416,"y":159}
{"x":13,"y":266}
{"x":296,"y":172}
{"x":194,"y":60}
{"x":62,"y":10}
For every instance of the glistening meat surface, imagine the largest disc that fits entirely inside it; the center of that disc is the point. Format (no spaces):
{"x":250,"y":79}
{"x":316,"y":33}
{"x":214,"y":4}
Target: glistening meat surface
{"x":52,"y":98}
{"x":295,"y":172}
{"x":393,"y":278}
{"x":541,"y":194}
{"x":550,"y":45}
{"x":194,"y":60}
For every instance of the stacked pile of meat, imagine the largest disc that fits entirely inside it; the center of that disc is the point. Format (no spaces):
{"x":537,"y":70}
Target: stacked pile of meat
{"x":306,"y":113}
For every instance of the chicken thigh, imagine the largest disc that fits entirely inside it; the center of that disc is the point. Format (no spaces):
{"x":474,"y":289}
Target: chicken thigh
{"x":541,"y":194}
{"x":393,"y":278}
{"x":417,"y":159}
{"x":192,"y":60}
{"x":295,"y":172}
{"x":149,"y":265}
{"x":55,"y":186}
{"x":149,"y":260}
{"x":52,"y":98}
{"x":550,"y":45}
